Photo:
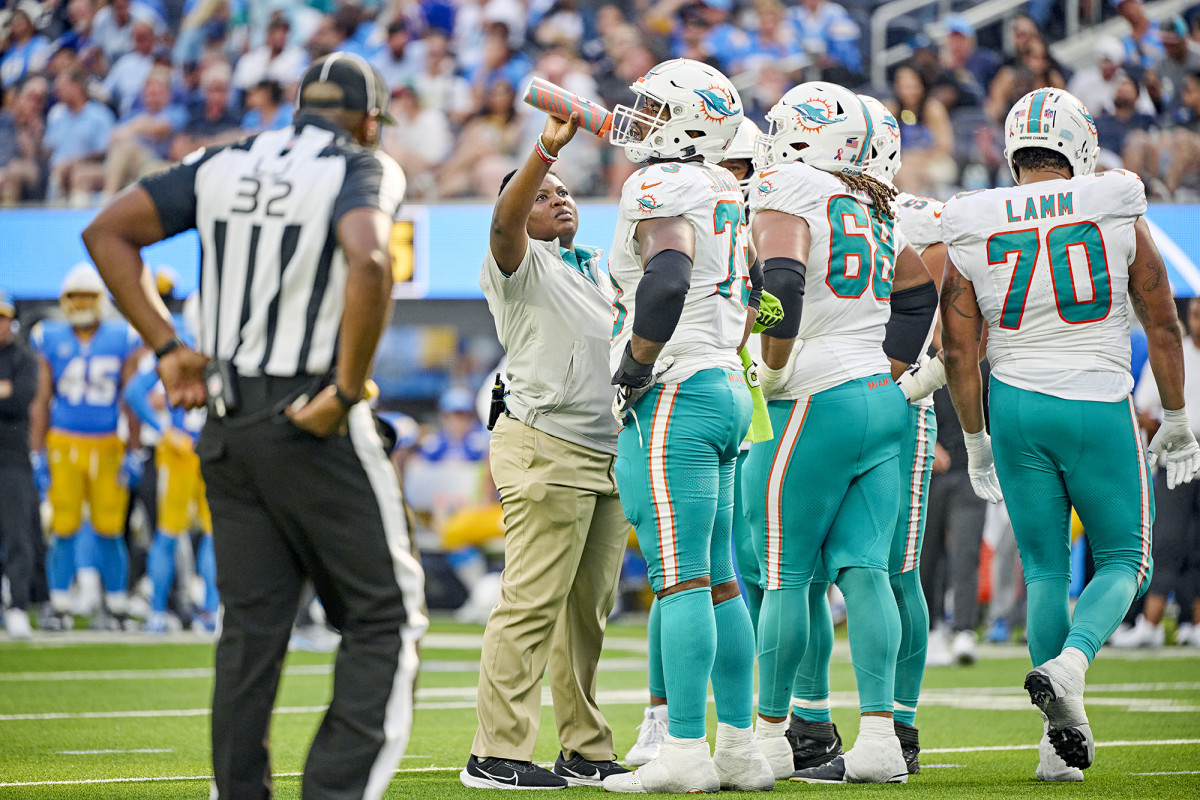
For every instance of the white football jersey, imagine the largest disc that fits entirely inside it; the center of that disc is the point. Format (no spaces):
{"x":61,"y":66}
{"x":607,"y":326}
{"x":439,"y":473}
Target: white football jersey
{"x":848,"y":283}
{"x":714,"y":312}
{"x":1049,"y":262}
{"x":921,"y":220}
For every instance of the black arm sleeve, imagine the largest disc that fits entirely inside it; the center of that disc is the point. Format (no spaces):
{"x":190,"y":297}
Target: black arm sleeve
{"x":908,"y":327}
{"x":784,"y":278}
{"x":756,"y":284}
{"x":373,"y":180}
{"x":660,"y":295}
{"x":174,"y":192}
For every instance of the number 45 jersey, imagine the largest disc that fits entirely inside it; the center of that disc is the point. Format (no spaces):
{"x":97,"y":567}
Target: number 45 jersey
{"x":1049,"y":263}
{"x":714,"y":312}
{"x":848,"y":280}
{"x":86,"y":374}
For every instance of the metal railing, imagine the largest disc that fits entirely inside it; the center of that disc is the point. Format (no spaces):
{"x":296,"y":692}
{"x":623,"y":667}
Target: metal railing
{"x":884,"y":57}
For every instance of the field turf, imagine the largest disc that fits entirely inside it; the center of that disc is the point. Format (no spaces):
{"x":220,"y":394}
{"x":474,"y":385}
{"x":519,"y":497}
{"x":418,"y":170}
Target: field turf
{"x":126,"y":716}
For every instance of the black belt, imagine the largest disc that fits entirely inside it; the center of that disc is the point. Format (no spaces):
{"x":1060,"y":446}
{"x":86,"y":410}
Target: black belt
{"x":253,"y":399}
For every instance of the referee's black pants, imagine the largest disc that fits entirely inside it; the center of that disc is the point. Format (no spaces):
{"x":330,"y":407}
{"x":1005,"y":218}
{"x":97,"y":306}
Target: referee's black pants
{"x":286,"y":504}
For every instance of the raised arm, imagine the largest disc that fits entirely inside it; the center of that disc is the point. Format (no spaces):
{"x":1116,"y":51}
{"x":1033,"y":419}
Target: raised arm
{"x":509,"y":239}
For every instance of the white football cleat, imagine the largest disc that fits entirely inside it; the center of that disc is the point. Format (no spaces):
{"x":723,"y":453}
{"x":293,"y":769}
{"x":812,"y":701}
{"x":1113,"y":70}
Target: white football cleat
{"x":650,"y":737}
{"x":778,"y":752}
{"x":869,"y":761}
{"x":1051,"y":768}
{"x":962,"y":647}
{"x":17,"y":622}
{"x":937,"y":651}
{"x":683,"y":766}
{"x":1057,"y":689}
{"x":740,"y":764}
{"x":1143,"y":634}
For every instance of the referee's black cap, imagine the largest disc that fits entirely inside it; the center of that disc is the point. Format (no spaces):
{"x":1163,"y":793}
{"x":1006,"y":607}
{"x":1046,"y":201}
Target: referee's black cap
{"x":345,"y":81}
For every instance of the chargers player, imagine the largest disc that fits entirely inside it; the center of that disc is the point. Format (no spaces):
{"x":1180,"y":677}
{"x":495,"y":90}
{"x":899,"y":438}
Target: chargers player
{"x":811,"y":732}
{"x":678,"y":268}
{"x":1052,"y":264}
{"x":181,"y":499}
{"x":77,"y":452}
{"x":825,"y":494}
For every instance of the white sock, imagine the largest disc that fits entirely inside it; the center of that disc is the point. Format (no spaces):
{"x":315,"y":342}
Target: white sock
{"x":769,"y":730}
{"x":872,"y":727}
{"x":659,"y":713}
{"x":1075,"y":658}
{"x":729,"y":736}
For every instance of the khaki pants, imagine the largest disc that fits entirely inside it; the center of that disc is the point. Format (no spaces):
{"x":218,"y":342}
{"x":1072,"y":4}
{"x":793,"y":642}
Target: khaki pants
{"x":565,"y":535}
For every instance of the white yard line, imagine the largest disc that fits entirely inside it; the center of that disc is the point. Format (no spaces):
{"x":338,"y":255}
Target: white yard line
{"x":163,"y":778}
{"x":106,"y":752}
{"x":998,"y":748}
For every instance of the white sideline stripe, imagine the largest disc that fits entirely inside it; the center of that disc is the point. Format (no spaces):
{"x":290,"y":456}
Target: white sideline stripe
{"x":106,"y":752}
{"x":443,"y":667}
{"x":161,"y":778}
{"x":998,"y":748}
{"x":1184,"y":772}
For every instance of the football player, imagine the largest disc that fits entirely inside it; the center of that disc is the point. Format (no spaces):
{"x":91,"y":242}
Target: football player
{"x":831,"y":477}
{"x":811,"y":732}
{"x":1052,"y":264}
{"x":678,"y":268}
{"x":78,"y":454}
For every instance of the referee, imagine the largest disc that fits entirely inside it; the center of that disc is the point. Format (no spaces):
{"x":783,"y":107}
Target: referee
{"x":295,"y":286}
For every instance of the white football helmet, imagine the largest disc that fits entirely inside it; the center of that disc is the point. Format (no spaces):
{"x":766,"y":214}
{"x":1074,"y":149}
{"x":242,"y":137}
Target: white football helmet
{"x":81,"y":297}
{"x":883,"y":160}
{"x":820,"y":124}
{"x":1055,"y":120}
{"x":743,"y":146}
{"x":684,"y":108}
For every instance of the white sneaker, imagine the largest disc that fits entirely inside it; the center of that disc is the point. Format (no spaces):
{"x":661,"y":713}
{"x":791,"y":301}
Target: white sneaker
{"x":869,"y":761}
{"x":1184,"y":633}
{"x":650,"y":737}
{"x":17,"y":622}
{"x":88,"y":592}
{"x":778,"y":752}
{"x":740,"y":764}
{"x":962,"y":648}
{"x":1143,"y":634}
{"x":1050,"y":766}
{"x":937,"y":652}
{"x":1057,"y":689}
{"x":683,"y":766}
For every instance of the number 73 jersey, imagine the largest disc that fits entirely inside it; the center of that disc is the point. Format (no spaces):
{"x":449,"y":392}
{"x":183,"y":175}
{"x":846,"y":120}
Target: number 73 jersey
{"x":714,"y":312}
{"x":86,"y":374}
{"x":1049,"y":262}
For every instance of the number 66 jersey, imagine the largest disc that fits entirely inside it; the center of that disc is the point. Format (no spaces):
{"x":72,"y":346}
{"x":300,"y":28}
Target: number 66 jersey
{"x":714,"y":312}
{"x":848,"y":277}
{"x":1049,"y":262}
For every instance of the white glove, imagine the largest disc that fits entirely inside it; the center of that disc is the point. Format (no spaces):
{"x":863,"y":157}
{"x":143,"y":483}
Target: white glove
{"x":1175,"y":445}
{"x":771,"y":380}
{"x":981,"y":467}
{"x":922,"y":379}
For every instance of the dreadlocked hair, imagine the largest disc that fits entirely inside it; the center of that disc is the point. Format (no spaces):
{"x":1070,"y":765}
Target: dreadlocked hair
{"x":880,"y":193}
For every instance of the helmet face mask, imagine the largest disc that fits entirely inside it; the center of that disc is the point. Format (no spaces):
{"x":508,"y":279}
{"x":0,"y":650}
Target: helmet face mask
{"x":81,"y":297}
{"x":883,"y":158}
{"x":1054,"y":120}
{"x":820,"y":124}
{"x":683,"y":109}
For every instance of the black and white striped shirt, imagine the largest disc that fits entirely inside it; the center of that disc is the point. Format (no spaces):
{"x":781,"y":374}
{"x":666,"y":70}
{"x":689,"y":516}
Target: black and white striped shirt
{"x":272,"y":274}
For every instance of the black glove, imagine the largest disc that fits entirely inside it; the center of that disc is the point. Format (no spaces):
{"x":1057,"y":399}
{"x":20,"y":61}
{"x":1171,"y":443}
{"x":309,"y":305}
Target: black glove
{"x":632,"y":379}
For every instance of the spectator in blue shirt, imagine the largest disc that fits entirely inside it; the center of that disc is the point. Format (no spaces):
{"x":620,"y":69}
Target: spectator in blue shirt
{"x":1143,"y":46}
{"x":77,"y":132}
{"x":126,"y":78}
{"x":28,"y":50}
{"x":973,"y":67}
{"x":829,"y":34}
{"x":773,"y":39}
{"x":265,"y":108}
{"x":141,"y":142}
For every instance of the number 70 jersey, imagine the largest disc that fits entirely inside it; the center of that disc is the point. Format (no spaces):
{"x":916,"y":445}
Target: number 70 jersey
{"x":714,"y":311}
{"x":1049,"y":263}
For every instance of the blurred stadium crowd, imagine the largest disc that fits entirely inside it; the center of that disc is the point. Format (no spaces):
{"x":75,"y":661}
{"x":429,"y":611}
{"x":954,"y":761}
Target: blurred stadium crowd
{"x":98,"y":93}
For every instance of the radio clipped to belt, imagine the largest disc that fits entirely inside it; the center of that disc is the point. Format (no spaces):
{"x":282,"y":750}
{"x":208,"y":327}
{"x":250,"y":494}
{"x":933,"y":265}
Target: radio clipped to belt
{"x":222,"y":388}
{"x":497,"y":405}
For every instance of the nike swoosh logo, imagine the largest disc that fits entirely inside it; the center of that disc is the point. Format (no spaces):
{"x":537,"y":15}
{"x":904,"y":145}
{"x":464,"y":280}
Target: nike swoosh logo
{"x":937,"y":215}
{"x":510,"y":779}
{"x":595,"y":774}
{"x":766,"y":173}
{"x":646,"y":186}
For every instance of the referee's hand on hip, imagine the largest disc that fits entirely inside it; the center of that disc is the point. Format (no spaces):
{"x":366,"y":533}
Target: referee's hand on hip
{"x":322,"y":416}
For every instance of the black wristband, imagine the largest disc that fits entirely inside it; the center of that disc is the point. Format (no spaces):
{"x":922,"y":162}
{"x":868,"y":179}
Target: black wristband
{"x":346,"y":400}
{"x":172,"y":344}
{"x":632,"y":372}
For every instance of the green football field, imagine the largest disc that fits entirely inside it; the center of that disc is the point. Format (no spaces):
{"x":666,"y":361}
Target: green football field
{"x":126,"y":716}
